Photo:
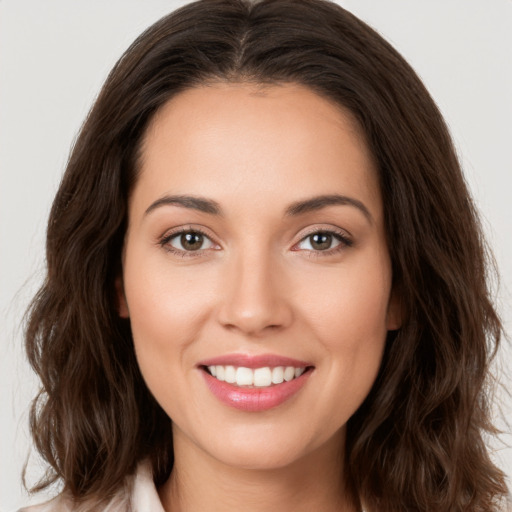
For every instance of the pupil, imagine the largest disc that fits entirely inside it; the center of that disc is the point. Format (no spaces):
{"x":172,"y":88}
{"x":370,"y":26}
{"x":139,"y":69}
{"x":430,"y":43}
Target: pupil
{"x":192,"y":241}
{"x":321,"y":241}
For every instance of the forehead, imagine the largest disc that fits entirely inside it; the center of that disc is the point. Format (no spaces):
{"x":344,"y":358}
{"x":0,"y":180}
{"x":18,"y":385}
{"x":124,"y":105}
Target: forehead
{"x":277,"y":142}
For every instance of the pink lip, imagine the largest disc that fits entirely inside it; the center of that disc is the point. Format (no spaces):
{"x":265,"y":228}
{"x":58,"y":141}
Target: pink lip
{"x":254,"y":399}
{"x":259,"y":361}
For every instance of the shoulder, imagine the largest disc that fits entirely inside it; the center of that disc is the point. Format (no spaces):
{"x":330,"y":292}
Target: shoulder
{"x":139,"y":494}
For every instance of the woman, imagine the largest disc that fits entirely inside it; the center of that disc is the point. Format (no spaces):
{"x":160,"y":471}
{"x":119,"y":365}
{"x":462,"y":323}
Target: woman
{"x":266,"y":280}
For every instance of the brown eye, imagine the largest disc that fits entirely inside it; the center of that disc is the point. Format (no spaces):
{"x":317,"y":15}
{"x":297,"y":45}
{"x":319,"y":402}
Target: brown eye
{"x":321,"y":241}
{"x":189,"y":241}
{"x":324,"y":241}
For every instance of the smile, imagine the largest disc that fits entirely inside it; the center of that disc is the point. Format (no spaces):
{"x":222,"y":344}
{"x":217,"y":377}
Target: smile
{"x":257,"y":377}
{"x":255,"y":383}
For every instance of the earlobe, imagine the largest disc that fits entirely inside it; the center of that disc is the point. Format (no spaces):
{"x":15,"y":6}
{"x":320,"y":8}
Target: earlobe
{"x":394,"y":313}
{"x":122,"y":305}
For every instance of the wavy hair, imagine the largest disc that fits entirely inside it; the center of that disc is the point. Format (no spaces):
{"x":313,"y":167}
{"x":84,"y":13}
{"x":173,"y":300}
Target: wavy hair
{"x":417,"y":441}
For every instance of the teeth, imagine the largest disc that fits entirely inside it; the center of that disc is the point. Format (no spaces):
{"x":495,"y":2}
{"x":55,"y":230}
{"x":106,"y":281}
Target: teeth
{"x":262,"y":377}
{"x":230,"y":374}
{"x":220,"y":372}
{"x":289,"y":373}
{"x":277,"y":375}
{"x":244,"y":376}
{"x":259,"y":377}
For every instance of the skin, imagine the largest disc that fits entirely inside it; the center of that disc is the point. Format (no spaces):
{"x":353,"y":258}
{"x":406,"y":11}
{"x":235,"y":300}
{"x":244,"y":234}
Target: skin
{"x":257,"y":286}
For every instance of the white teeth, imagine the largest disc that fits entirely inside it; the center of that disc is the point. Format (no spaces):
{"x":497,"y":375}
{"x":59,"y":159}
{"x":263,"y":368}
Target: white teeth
{"x":219,"y":370}
{"x":277,"y":375}
{"x":244,"y":376}
{"x":230,"y":374}
{"x":262,"y":377}
{"x":258,"y":377}
{"x":289,"y":373}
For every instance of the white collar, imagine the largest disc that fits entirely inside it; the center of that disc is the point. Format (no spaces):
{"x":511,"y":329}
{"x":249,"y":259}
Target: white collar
{"x":144,"y":494}
{"x":139,"y":494}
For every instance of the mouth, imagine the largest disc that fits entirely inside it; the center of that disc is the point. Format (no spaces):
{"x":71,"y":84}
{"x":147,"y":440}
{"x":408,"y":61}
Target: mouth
{"x":255,"y":383}
{"x":263,"y":377}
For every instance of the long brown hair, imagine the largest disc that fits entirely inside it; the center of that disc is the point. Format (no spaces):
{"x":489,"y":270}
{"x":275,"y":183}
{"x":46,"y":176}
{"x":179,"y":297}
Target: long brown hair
{"x":416,"y":443}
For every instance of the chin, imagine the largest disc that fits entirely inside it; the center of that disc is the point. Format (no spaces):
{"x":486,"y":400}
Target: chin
{"x":258,"y":458}
{"x":267,"y":448}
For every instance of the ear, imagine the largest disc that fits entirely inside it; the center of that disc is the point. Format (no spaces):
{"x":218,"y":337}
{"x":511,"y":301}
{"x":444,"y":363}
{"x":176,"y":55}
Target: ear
{"x":394,"y":313}
{"x":122,"y":305}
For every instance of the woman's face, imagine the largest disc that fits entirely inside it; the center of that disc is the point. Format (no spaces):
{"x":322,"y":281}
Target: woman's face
{"x":255,"y":244}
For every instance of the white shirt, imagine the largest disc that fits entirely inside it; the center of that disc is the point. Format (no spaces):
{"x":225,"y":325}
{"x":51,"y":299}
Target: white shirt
{"x":138,"y":495}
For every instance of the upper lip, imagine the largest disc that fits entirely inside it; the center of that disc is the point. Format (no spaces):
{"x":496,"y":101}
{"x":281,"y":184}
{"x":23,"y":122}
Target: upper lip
{"x":254,"y":361}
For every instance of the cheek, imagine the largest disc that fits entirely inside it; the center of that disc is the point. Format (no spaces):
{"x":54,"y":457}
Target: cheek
{"x":165,"y":314}
{"x":349,"y":321}
{"x":349,"y":305}
{"x":163,"y":300}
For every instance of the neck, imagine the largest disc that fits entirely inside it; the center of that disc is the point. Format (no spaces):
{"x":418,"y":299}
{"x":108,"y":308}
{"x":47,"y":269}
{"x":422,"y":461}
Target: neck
{"x":200,"y":482}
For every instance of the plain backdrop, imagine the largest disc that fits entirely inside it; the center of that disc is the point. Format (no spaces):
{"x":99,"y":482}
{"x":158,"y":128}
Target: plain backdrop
{"x":54,"y":56}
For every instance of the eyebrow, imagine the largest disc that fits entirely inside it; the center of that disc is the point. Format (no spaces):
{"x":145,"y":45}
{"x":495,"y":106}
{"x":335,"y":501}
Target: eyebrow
{"x":319,"y":202}
{"x":195,"y":203}
{"x":297,"y":208}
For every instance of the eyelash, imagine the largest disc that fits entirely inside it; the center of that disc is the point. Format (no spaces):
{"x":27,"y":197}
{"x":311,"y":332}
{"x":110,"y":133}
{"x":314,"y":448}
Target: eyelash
{"x":164,"y":242}
{"x":344,"y":240}
{"x":340,"y":236}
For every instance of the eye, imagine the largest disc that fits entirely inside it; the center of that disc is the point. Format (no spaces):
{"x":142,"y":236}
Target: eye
{"x":187,"y":241}
{"x":321,"y":241}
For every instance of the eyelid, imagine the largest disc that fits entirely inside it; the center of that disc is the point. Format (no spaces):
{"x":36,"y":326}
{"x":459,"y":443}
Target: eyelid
{"x":164,"y":240}
{"x":342,"y":235}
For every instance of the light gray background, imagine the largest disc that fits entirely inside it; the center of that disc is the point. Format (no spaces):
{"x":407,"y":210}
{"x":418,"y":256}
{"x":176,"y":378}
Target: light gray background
{"x":54,"y":56}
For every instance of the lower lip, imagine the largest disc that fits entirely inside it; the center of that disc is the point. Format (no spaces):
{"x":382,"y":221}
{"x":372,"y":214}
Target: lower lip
{"x":255,"y":399}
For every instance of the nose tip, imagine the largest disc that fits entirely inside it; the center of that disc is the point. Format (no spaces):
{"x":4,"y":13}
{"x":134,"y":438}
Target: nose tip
{"x":251,"y":321}
{"x":255,"y":301}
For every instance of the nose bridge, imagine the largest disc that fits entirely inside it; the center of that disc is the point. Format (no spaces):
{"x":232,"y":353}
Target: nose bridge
{"x":254,"y":297}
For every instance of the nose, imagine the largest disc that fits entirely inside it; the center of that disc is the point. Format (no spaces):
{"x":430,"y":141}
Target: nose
{"x":254,"y":299}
